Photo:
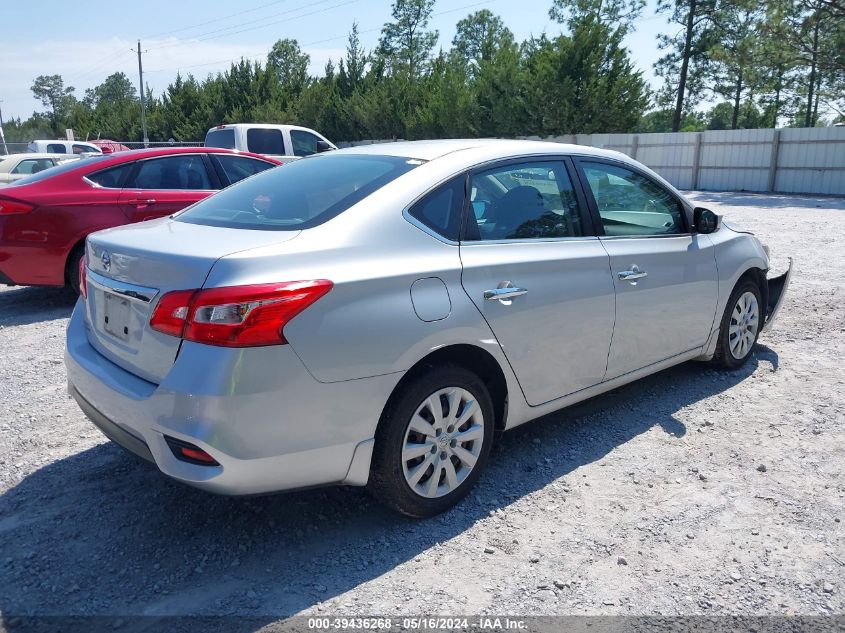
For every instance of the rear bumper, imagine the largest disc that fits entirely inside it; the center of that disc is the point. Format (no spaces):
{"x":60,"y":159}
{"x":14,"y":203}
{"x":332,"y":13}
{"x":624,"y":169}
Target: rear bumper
{"x":258,"y":412}
{"x":777,"y":291}
{"x":111,"y":430}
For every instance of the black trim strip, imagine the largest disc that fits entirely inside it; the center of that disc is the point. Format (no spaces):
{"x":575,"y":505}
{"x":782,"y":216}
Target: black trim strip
{"x":111,"y":430}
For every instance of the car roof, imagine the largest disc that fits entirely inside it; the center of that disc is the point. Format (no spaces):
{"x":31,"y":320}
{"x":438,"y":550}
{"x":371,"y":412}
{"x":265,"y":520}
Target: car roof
{"x":150,"y":152}
{"x":268,"y":126}
{"x":497,"y":148}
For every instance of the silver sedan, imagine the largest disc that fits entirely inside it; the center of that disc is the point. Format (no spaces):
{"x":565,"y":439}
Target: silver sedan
{"x":372,"y":316}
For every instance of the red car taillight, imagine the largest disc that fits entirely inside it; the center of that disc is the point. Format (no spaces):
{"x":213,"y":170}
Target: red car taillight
{"x":236,"y":316}
{"x":83,"y":276}
{"x":10,"y":207}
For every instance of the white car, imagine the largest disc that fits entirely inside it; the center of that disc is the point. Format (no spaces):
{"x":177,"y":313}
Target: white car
{"x":282,"y":142}
{"x":16,"y":166}
{"x":59,"y":146}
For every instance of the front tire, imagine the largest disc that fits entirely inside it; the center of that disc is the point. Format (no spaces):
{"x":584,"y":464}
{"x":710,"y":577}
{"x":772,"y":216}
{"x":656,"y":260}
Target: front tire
{"x":433,"y":441}
{"x":741,"y":324}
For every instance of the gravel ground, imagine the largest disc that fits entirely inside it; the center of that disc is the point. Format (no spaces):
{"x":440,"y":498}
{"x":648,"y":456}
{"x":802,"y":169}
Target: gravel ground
{"x":689,"y":492}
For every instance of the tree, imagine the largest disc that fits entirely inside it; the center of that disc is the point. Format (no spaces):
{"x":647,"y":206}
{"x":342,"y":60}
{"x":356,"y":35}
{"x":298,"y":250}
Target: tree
{"x":778,"y":61}
{"x":661,"y":121}
{"x":583,"y":83}
{"x":723,"y":116}
{"x":478,"y":37}
{"x":497,"y":90}
{"x":351,"y":71}
{"x":735,"y":57}
{"x":291,"y":66}
{"x":53,"y":94}
{"x":819,"y":35}
{"x":115,"y":88}
{"x":619,"y":13}
{"x":405,"y":43}
{"x":687,"y":50}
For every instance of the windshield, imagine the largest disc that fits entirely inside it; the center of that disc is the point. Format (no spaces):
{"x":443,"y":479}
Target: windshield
{"x":299,"y":195}
{"x":59,"y":169}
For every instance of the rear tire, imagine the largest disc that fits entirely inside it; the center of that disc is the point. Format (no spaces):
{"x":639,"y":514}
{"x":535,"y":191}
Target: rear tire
{"x":432,"y":442}
{"x":741,"y":324}
{"x":72,"y":267}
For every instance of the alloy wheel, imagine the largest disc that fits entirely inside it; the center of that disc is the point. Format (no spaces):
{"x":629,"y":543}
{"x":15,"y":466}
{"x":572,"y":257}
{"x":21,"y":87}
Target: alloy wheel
{"x":443,"y":442}
{"x":744,"y":323}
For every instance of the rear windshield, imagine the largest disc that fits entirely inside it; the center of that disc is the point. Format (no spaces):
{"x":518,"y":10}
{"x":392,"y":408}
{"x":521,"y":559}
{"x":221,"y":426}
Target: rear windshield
{"x":221,"y":138}
{"x":299,"y":195}
{"x":59,"y":169}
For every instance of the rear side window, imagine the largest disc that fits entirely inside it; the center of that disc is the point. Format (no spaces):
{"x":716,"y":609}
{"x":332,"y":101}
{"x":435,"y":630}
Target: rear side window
{"x":173,"y":172}
{"x":57,"y":148}
{"x":221,"y":138}
{"x":523,"y":201}
{"x":111,"y":178}
{"x":65,"y":167}
{"x":300,"y":195}
{"x":265,"y":141}
{"x":33,"y":166}
{"x":440,"y":210}
{"x":236,"y":168}
{"x":85,"y":149}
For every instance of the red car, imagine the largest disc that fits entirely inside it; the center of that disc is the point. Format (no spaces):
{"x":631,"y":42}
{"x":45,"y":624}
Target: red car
{"x":45,"y":218}
{"x":110,"y":147}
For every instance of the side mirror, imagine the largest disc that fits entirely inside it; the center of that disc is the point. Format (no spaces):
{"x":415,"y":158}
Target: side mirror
{"x":323,"y":146}
{"x":705,"y":220}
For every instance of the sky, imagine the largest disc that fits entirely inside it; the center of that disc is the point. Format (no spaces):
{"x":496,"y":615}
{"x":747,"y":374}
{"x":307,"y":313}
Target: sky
{"x":87,"y":41}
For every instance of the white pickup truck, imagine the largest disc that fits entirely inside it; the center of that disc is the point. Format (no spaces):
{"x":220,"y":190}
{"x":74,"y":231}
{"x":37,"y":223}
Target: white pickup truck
{"x":282,"y":142}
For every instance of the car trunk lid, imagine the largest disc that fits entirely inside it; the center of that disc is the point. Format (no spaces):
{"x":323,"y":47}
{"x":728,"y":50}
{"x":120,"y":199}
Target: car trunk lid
{"x":131,"y":267}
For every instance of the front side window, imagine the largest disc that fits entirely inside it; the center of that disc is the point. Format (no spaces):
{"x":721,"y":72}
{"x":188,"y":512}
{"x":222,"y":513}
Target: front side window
{"x":440,"y":210}
{"x":33,"y":166}
{"x":299,"y":195}
{"x":236,"y":168}
{"x":265,"y":141}
{"x":172,"y":172}
{"x":533,"y":200}
{"x":304,"y":143}
{"x":631,"y":204}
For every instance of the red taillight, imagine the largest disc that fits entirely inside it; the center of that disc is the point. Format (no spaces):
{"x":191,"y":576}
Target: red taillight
{"x":10,"y":207}
{"x":83,"y":276}
{"x":236,"y":316}
{"x":171,"y":312}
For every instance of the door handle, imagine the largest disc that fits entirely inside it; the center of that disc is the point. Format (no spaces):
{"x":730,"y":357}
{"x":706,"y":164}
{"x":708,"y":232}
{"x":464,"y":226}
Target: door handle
{"x":633,"y":274}
{"x":142,"y":201}
{"x":500,"y":294}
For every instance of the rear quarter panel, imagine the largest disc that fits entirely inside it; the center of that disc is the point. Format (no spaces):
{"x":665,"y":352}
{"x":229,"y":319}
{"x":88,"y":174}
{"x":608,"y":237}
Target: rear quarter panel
{"x":37,"y":244}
